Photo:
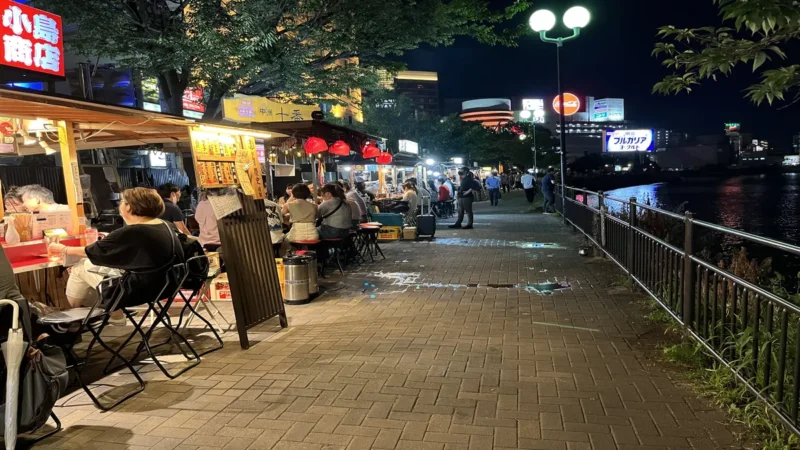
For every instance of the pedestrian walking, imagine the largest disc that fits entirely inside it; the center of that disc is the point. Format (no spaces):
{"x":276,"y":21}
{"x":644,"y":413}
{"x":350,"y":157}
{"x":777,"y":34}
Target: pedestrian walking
{"x":466,"y":196}
{"x":493,"y":184}
{"x":548,"y":191}
{"x":529,"y":184}
{"x":504,"y":182}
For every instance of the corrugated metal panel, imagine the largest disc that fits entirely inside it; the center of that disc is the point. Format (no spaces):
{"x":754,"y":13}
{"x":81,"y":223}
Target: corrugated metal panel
{"x":151,"y":177}
{"x":50,"y":177}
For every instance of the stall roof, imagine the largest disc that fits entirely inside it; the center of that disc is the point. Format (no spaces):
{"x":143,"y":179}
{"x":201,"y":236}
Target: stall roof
{"x":96,"y":125}
{"x":307,"y":128}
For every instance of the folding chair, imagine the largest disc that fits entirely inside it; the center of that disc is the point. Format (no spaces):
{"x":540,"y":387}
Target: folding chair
{"x":93,"y":320}
{"x":197,"y":281}
{"x":174,"y":278}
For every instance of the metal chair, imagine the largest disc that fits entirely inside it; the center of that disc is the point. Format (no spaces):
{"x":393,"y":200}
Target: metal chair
{"x":93,"y":320}
{"x":174,"y":279}
{"x":197,"y":281}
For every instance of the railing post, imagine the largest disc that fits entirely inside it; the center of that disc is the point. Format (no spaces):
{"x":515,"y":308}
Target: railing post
{"x":601,"y":205}
{"x":631,"y":240}
{"x":688,"y":272}
{"x":585,"y":197}
{"x":563,"y":204}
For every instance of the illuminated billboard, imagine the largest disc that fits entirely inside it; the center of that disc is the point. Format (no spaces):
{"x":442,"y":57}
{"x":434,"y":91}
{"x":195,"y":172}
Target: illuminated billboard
{"x":629,"y":141}
{"x":572,"y":104}
{"x":607,"y":110}
{"x":409,"y":147}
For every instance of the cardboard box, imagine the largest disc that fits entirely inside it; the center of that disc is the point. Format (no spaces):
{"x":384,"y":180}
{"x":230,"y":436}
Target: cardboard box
{"x":409,"y":233}
{"x":221,"y":288}
{"x":389,"y":233}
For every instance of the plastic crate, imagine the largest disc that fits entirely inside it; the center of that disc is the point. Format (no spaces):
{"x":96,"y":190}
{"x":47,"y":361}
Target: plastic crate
{"x":389,"y":233}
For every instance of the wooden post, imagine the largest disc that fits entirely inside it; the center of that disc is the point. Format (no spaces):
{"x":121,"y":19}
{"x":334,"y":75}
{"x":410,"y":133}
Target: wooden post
{"x":72,"y":180}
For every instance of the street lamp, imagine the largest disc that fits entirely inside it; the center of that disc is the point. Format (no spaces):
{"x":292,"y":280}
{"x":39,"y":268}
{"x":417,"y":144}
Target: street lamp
{"x":541,"y":22}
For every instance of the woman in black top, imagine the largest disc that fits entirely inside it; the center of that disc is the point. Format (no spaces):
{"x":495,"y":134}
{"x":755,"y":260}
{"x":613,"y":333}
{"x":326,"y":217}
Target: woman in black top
{"x":145,"y":244}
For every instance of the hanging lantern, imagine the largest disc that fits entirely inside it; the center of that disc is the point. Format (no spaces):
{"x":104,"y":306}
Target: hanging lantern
{"x":340,"y":148}
{"x":371,"y":151}
{"x":315,"y":145}
{"x":384,"y":158}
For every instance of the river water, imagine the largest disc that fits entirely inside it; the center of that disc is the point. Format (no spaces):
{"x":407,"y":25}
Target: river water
{"x":766,"y":205}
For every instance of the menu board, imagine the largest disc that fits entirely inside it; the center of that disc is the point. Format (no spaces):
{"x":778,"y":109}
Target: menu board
{"x":248,"y":168}
{"x":226,"y":160}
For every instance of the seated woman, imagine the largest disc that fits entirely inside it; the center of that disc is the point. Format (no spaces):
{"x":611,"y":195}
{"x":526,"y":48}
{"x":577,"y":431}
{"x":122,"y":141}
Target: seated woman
{"x":334,"y":212}
{"x":302,"y":215}
{"x":205,"y":217}
{"x":145,"y":244}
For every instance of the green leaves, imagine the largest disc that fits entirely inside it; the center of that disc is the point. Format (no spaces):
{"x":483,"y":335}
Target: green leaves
{"x":762,"y":28}
{"x":302,"y":49}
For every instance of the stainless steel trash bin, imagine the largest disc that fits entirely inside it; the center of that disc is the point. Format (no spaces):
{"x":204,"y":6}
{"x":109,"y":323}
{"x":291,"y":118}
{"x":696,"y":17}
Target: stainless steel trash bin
{"x":296,"y":271}
{"x":313,"y":284}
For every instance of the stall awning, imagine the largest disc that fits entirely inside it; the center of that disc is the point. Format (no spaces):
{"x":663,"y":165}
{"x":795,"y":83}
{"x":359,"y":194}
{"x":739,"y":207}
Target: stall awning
{"x":317,"y":128}
{"x":96,"y":125}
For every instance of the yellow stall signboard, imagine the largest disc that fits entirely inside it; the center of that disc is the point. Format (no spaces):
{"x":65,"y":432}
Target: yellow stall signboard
{"x":264,"y":110}
{"x":249,"y":169}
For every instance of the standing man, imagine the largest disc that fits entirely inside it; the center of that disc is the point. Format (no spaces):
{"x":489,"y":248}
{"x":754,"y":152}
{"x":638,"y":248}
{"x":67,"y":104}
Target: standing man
{"x":548,"y":190}
{"x":493,"y":184}
{"x":466,"y":197}
{"x":171,"y":194}
{"x":504,"y":182}
{"x":528,"y":183}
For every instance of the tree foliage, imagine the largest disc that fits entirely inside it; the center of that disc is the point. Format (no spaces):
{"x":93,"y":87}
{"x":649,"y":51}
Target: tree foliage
{"x":756,"y":32}
{"x":302,"y":49}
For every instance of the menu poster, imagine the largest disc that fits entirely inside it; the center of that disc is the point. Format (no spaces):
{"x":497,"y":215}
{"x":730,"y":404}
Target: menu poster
{"x":249,"y":153}
{"x":224,"y":205}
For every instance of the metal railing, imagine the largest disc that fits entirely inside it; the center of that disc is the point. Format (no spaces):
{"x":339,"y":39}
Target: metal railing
{"x":751,"y":330}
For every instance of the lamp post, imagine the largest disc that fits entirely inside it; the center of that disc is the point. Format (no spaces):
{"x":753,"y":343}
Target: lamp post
{"x":536,"y":115}
{"x":541,"y":22}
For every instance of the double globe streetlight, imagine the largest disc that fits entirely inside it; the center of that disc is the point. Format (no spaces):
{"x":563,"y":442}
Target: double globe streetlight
{"x":541,"y":22}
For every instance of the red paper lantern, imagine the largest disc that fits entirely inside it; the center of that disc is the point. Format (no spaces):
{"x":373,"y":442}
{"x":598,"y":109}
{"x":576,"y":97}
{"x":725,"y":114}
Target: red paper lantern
{"x":315,"y":145}
{"x":384,"y":158}
{"x":340,"y":148}
{"x":371,"y":151}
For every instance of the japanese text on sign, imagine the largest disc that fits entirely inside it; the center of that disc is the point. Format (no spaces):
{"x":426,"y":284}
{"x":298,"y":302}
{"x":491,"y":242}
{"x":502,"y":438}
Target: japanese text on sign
{"x":32,"y":39}
{"x":629,"y":141}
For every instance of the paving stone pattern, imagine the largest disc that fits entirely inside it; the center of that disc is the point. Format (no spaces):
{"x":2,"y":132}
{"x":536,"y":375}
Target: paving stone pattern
{"x":420,"y":352}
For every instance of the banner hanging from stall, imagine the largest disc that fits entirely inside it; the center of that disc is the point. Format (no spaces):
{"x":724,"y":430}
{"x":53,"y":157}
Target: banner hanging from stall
{"x":263,"y":110}
{"x":32,"y":39}
{"x":227,"y":160}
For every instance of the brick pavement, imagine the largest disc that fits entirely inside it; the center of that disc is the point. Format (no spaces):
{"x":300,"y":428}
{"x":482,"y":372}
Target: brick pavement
{"x":441,"y":346}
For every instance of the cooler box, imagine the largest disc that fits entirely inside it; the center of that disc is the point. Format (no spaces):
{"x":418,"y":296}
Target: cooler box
{"x":409,"y":233}
{"x":388,"y":219}
{"x":389,"y":233}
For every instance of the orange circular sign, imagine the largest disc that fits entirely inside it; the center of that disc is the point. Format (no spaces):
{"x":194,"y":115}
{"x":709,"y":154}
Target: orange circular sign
{"x":572,"y":104}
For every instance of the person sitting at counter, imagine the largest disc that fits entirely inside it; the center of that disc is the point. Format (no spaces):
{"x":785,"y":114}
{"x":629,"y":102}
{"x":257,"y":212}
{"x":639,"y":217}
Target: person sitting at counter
{"x":171,"y":194}
{"x":145,"y":243}
{"x":205,"y":217}
{"x":334,"y":213}
{"x":360,"y":205}
{"x":284,"y":199}
{"x":39,"y":199}
{"x":302,"y":215}
{"x":13,"y":201}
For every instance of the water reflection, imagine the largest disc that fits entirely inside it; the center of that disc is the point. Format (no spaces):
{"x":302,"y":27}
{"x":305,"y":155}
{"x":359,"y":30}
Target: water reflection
{"x":765,"y":205}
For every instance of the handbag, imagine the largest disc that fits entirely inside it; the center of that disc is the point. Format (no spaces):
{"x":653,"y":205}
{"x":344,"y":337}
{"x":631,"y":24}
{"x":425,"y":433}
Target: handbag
{"x":321,"y":219}
{"x":43,"y":378}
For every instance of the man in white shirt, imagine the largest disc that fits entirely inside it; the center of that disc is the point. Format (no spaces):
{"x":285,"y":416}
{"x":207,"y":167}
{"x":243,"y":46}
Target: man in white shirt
{"x":529,"y":184}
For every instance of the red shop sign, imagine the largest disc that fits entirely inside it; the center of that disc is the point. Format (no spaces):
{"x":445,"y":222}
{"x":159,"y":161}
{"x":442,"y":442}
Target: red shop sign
{"x":32,"y":39}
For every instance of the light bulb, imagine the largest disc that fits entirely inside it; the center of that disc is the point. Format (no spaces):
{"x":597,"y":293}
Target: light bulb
{"x":577,"y":17}
{"x":525,"y":114}
{"x":542,"y":20}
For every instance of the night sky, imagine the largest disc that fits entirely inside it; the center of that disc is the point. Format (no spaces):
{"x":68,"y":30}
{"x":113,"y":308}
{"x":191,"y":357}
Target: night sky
{"x":610,"y":59}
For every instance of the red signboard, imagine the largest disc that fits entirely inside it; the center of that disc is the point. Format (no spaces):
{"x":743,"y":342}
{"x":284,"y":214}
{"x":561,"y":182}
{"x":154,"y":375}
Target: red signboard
{"x":32,"y":39}
{"x":572,"y":104}
{"x":193,"y":99}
